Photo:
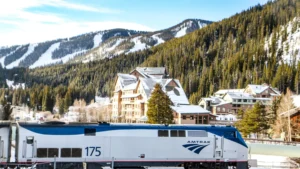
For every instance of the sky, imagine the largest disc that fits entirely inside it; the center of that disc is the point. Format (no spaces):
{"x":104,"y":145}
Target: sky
{"x":33,"y":21}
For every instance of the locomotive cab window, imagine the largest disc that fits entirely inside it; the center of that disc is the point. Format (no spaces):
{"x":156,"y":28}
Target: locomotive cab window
{"x":71,"y":152}
{"x":89,"y":132}
{"x":230,"y":134}
{"x":163,"y":133}
{"x":52,"y":152}
{"x":177,"y":133}
{"x":41,"y":153}
{"x":47,"y":152}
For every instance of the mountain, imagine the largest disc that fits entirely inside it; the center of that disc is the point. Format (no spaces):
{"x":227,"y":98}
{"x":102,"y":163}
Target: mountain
{"x":91,"y":46}
{"x":258,"y":45}
{"x":56,"y":51}
{"x":118,"y":45}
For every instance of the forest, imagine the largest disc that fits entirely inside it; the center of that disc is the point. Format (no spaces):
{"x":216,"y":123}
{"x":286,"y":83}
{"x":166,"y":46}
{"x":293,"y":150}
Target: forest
{"x":226,"y":54}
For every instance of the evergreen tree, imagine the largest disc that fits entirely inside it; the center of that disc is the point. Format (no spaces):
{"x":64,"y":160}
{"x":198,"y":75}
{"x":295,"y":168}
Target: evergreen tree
{"x":254,"y":120}
{"x":159,"y":110}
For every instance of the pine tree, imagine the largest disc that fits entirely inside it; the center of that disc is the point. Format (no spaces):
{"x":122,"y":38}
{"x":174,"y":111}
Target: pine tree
{"x":159,"y":110}
{"x":253,"y":120}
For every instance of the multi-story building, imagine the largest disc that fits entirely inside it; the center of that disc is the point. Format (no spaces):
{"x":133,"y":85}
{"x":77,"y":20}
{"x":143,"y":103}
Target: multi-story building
{"x":229,"y":101}
{"x":133,"y":90}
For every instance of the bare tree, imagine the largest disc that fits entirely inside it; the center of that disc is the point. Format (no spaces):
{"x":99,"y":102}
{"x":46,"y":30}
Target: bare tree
{"x":282,"y":124}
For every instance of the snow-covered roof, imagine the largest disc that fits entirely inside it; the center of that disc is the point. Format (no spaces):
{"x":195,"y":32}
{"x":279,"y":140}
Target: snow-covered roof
{"x":148,"y":85}
{"x":258,"y":88}
{"x":151,"y":70}
{"x":221,"y":103}
{"x":190,"y":109}
{"x":126,"y":79}
{"x":224,"y":91}
{"x":240,"y":95}
{"x":130,"y":95}
{"x":130,"y":86}
{"x":177,"y":94}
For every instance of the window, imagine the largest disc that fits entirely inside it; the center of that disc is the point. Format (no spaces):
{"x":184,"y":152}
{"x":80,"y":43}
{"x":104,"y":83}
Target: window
{"x":65,"y":152}
{"x":89,"y":132}
{"x":223,"y":109}
{"x":71,"y":152}
{"x":192,"y":118}
{"x":230,"y":134}
{"x":199,"y":133}
{"x":47,"y":152}
{"x":76,"y":152}
{"x":183,"y":117}
{"x":218,"y":109}
{"x":52,"y":152}
{"x":163,"y":133}
{"x":41,"y":153}
{"x":177,"y":133}
{"x":29,"y":139}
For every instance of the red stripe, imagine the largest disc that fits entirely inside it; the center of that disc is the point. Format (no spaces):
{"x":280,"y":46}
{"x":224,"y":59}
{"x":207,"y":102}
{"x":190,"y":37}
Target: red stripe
{"x":140,"y":161}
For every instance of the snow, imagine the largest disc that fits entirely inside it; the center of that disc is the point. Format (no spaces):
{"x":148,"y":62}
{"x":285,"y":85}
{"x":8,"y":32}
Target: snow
{"x":16,"y":63}
{"x":181,"y":33}
{"x":117,"y":43}
{"x":3,"y":58}
{"x":98,"y":39}
{"x":266,"y":161}
{"x":138,"y":45}
{"x":159,"y":40}
{"x":102,"y":100}
{"x":47,"y":59}
{"x":11,"y":84}
{"x":228,"y":117}
{"x":290,"y":48}
{"x":183,"y":109}
{"x":296,"y":100}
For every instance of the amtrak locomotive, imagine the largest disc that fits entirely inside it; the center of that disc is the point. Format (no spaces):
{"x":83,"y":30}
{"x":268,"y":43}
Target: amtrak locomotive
{"x":96,"y":145}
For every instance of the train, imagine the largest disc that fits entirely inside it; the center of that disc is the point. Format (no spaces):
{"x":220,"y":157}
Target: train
{"x":63,"y":145}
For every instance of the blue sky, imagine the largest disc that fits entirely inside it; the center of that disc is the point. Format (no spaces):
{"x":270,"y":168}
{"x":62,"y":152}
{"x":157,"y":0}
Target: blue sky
{"x":31,"y":21}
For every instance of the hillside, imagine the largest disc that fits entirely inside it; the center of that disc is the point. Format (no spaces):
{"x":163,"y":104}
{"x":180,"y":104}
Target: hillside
{"x":249,"y":47}
{"x":91,"y":46}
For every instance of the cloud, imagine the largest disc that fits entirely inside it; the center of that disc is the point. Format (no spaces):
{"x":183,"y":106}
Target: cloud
{"x":21,"y":25}
{"x":61,"y":3}
{"x":34,"y":32}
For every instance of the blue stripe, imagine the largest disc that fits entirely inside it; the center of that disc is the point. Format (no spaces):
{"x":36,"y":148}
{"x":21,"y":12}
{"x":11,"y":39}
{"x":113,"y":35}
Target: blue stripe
{"x":79,"y":129}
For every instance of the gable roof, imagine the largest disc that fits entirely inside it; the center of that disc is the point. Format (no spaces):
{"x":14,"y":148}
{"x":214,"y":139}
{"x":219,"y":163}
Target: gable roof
{"x":146,"y":71}
{"x":257,"y":89}
{"x":125,"y":79}
{"x":176,"y":94}
{"x":190,"y":109}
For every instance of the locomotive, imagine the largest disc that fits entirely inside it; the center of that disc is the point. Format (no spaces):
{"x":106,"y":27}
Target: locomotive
{"x":96,"y":145}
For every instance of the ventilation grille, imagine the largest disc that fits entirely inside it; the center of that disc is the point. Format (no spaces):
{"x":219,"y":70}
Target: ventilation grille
{"x":199,"y":133}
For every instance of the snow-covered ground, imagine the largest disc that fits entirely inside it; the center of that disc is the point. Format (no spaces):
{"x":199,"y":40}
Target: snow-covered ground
{"x":16,"y":63}
{"x":288,"y":47}
{"x":11,"y":84}
{"x":98,"y":39}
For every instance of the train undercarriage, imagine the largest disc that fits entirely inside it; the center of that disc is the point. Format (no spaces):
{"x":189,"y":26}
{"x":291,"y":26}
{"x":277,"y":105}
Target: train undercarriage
{"x":186,"y":165}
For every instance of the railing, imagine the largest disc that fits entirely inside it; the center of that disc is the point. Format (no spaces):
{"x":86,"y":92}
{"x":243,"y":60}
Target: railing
{"x":276,"y":142}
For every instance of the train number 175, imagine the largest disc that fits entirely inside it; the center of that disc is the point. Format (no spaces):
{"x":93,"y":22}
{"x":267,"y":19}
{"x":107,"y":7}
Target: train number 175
{"x":93,"y":151}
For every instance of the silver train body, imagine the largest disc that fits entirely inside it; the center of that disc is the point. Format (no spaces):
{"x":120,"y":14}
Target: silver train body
{"x":96,"y":145}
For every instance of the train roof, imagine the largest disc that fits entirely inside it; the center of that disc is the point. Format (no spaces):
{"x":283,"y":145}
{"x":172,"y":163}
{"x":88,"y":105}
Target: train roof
{"x":126,"y":125}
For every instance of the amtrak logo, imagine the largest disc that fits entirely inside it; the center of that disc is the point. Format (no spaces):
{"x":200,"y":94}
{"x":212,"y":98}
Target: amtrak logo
{"x":196,"y":148}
